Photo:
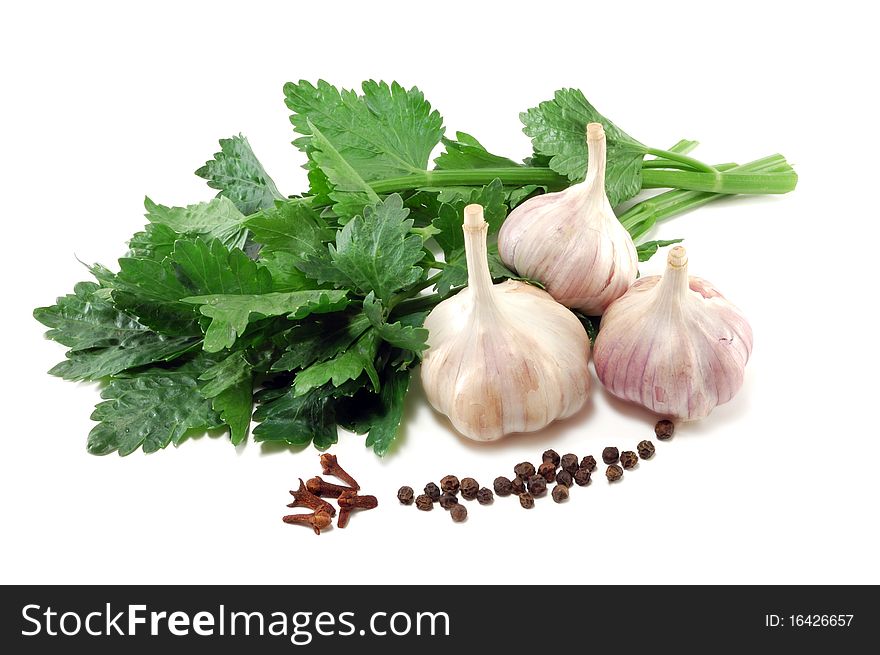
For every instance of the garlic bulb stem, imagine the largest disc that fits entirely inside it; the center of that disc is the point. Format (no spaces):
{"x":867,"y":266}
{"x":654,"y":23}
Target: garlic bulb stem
{"x":675,"y":283}
{"x":595,"y":180}
{"x":479,"y":278}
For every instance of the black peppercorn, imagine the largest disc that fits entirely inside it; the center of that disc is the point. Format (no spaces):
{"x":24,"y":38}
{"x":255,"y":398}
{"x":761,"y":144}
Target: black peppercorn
{"x":537,"y":486}
{"x":518,"y":485}
{"x":569,"y":462}
{"x":527,"y":501}
{"x":424,"y":503}
{"x":405,"y":495}
{"x":450,"y":484}
{"x":485,"y":496}
{"x":664,"y":429}
{"x":525,"y":470}
{"x":560,"y":493}
{"x":447,"y":500}
{"x":646,"y":449}
{"x":613,"y":473}
{"x":564,"y":478}
{"x":628,"y":459}
{"x":550,"y":456}
{"x":589,"y":463}
{"x":469,"y":488}
{"x":503,"y":486}
{"x":458,"y":513}
{"x":547,"y":470}
{"x":582,"y":477}
{"x":610,"y":455}
{"x":433,"y":491}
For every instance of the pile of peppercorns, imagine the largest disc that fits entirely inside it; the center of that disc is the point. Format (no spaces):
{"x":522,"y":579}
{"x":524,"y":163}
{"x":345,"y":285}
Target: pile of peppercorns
{"x":529,"y":483}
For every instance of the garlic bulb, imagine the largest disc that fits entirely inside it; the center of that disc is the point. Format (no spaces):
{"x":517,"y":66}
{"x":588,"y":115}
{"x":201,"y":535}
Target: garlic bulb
{"x":571,"y":241}
{"x":502,"y":358}
{"x":673,"y":344}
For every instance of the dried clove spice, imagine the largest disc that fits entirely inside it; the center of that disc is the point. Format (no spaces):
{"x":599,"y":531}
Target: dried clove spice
{"x":405,"y":495}
{"x":485,"y":496}
{"x":503,"y":486}
{"x":569,"y":462}
{"x":325,"y":489}
{"x":469,"y":488}
{"x":613,"y":473}
{"x":424,"y":503}
{"x":458,"y":513}
{"x":589,"y":463}
{"x":610,"y":455}
{"x":646,"y":449}
{"x":349,"y":501}
{"x":550,"y":456}
{"x":450,"y":484}
{"x":330,"y":466}
{"x":302,"y":497}
{"x":547,"y":470}
{"x":664,"y":429}
{"x":628,"y":459}
{"x":524,"y":470}
{"x":432,"y":491}
{"x":447,"y":500}
{"x":318,"y":520}
{"x":582,"y":477}
{"x":560,"y":493}
{"x":526,"y":501}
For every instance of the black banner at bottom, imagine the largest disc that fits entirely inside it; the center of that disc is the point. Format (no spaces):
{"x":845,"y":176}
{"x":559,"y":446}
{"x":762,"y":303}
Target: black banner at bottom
{"x":550,"y":617}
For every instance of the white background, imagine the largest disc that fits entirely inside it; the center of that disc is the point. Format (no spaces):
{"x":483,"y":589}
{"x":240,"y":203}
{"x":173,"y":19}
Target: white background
{"x":103,"y":104}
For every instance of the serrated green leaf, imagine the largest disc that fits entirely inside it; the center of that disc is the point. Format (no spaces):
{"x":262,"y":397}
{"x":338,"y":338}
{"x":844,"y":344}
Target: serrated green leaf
{"x":387,"y":132}
{"x":238,"y":175}
{"x":385,"y":424}
{"x":379,"y":415}
{"x":558,"y":130}
{"x":234,"y":405}
{"x":349,"y":365}
{"x":151,"y":409}
{"x":450,"y":216}
{"x":348,"y":190}
{"x":230,"y":314}
{"x":377,"y":252}
{"x":465,"y":152}
{"x":648,"y":249}
{"x":397,"y":334}
{"x":103,"y":340}
{"x":217,"y":219}
{"x":296,"y":420}
{"x":208,"y":268}
{"x":151,"y":291}
{"x":155,"y":242}
{"x":320,"y":338}
{"x":285,"y":275}
{"x":226,"y":373}
{"x":293,"y":228}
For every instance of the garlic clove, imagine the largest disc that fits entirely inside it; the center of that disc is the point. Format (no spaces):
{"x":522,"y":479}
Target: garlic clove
{"x":571,"y":240}
{"x":673,"y":344}
{"x":502,"y":358}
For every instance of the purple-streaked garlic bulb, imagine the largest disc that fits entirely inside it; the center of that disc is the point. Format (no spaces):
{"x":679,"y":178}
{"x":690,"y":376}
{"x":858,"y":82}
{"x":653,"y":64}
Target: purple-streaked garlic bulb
{"x":673,"y":344}
{"x":571,"y":241}
{"x":502,"y":358}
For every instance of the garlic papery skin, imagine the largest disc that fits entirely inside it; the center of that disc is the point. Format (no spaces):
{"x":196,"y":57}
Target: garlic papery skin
{"x":571,"y":241}
{"x":502,"y":358}
{"x":673,"y":344}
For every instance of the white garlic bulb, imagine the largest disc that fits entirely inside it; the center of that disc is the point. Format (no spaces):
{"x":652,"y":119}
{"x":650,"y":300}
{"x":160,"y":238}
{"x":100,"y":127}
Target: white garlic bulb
{"x":673,"y":344}
{"x":502,"y":358}
{"x":571,"y":241}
